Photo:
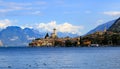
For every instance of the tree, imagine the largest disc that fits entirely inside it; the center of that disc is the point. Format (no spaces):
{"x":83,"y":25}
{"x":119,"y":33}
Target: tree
{"x":68,"y":43}
{"x":46,"y":36}
{"x":115,"y":39}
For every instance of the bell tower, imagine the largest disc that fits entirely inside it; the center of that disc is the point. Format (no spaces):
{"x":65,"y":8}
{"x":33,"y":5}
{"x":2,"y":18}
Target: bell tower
{"x":54,"y":31}
{"x":54,"y":34}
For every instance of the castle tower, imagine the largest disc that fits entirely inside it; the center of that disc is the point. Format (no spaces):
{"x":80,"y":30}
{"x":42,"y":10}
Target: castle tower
{"x":54,"y":34}
{"x":54,"y":31}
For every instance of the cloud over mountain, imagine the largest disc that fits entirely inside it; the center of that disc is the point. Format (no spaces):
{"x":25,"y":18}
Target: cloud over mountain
{"x":46,"y":27}
{"x":4,"y":23}
{"x":62,"y":27}
{"x":112,"y":13}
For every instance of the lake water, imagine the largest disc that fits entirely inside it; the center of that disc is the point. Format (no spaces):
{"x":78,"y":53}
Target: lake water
{"x":60,"y":58}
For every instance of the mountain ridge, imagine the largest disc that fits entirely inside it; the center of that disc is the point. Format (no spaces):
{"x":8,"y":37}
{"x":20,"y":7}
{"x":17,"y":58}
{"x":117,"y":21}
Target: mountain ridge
{"x":116,"y":26}
{"x":108,"y":26}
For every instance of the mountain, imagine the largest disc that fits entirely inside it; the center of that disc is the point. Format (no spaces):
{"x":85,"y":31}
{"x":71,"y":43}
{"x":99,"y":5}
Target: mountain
{"x":113,"y":26}
{"x":16,"y":36}
{"x":116,"y":26}
{"x":32,"y":34}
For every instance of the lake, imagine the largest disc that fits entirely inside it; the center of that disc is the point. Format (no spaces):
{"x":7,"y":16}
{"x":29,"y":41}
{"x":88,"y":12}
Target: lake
{"x":60,"y":58}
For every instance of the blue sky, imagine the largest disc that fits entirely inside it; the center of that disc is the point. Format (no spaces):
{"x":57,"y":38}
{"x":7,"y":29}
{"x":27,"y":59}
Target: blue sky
{"x":73,"y":16}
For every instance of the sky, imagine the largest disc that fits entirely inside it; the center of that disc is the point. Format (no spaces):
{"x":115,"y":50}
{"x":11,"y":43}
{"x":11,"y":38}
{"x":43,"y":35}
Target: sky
{"x":72,"y":16}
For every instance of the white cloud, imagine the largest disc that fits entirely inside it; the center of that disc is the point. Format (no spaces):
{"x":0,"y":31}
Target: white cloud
{"x":112,"y":13}
{"x":4,"y":23}
{"x":11,"y":9}
{"x":34,"y":13}
{"x":31,"y":26}
{"x":64,"y":27}
{"x":4,"y":10}
{"x":12,"y":6}
{"x":29,"y":8}
{"x":10,"y":3}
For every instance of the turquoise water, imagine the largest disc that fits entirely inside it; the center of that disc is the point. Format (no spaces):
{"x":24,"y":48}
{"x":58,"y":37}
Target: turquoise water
{"x":60,"y":58}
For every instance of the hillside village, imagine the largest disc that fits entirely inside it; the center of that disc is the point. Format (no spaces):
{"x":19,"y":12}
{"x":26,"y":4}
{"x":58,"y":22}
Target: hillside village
{"x":54,"y":40}
{"x":100,"y":37}
{"x":108,"y":37}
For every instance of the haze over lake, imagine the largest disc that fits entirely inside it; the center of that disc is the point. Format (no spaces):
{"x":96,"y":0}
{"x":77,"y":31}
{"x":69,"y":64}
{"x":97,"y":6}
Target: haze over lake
{"x":60,"y":58}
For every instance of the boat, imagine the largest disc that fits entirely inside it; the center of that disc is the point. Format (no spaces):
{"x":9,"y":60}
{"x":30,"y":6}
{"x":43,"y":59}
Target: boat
{"x":94,"y":45}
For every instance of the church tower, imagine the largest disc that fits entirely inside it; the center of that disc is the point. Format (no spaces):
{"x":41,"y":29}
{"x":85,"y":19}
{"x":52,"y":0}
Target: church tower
{"x":54,"y":31}
{"x":54,"y":34}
